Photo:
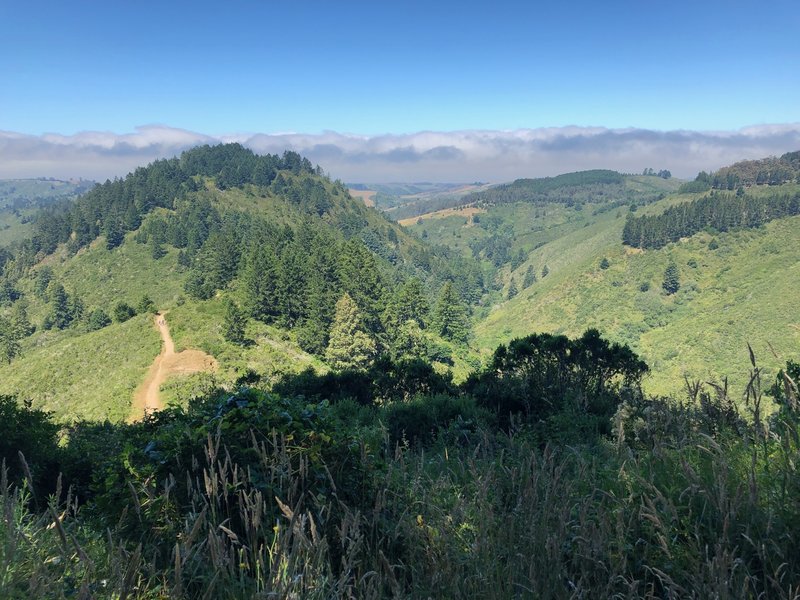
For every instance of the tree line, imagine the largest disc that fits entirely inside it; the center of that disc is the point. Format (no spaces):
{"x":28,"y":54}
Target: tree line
{"x":720,"y":211}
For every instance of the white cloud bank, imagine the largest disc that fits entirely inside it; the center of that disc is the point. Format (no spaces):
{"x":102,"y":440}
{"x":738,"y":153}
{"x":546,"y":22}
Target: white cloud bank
{"x":454,"y":156}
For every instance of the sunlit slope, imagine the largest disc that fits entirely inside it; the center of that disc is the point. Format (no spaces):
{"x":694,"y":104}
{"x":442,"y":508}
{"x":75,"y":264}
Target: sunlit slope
{"x":744,"y":291}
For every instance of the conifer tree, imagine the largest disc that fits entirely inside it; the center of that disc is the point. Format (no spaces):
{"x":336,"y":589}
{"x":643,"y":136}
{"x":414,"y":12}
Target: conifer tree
{"x":359,"y":275}
{"x":350,"y":345}
{"x":530,"y":278}
{"x":258,"y":280}
{"x":407,"y":303}
{"x":450,"y":316}
{"x":60,"y":314}
{"x":20,"y":322}
{"x":233,"y":323}
{"x":545,"y":271}
{"x":512,"y":290}
{"x":671,"y":283}
{"x":9,"y":344}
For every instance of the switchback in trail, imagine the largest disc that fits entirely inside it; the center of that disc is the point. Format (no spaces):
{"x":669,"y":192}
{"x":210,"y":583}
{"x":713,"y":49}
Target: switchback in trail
{"x":147,"y":399}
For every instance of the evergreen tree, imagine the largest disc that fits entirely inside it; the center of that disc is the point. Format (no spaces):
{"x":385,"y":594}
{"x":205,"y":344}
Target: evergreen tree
{"x":145,"y":305}
{"x":409,"y":342}
{"x":60,"y":314}
{"x":156,"y":248}
{"x":123,"y":311}
{"x":350,"y":345}
{"x":407,"y":303}
{"x":604,"y":263}
{"x":98,"y":319}
{"x":290,"y":285}
{"x":259,"y":279}
{"x":42,"y":282}
{"x":9,"y":344}
{"x":671,"y":283}
{"x":114,"y":233}
{"x":320,"y":306}
{"x":20,"y":322}
{"x":450,"y":316}
{"x":234,"y":323}
{"x":512,"y":290}
{"x":359,"y":275}
{"x":530,"y":278}
{"x":545,"y":271}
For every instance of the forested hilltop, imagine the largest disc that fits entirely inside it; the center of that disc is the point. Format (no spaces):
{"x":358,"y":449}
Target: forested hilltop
{"x":254,"y":256}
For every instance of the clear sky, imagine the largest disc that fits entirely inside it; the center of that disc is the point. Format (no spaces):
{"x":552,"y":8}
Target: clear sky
{"x":396,"y":67}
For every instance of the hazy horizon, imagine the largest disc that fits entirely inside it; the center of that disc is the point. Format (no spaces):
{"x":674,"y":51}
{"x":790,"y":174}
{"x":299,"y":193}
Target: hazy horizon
{"x":455,"y":156}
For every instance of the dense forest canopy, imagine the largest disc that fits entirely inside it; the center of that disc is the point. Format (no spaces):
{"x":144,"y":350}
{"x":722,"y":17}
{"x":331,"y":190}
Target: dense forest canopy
{"x":765,"y":171}
{"x":719,"y":211}
{"x":591,"y":185}
{"x":289,"y":240}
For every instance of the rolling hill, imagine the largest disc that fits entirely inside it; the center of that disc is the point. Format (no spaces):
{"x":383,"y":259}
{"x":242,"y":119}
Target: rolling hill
{"x":736,"y":287}
{"x":217,"y":230}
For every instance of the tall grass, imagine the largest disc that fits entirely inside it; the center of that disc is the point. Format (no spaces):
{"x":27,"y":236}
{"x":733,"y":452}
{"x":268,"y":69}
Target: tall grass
{"x":687,"y":501}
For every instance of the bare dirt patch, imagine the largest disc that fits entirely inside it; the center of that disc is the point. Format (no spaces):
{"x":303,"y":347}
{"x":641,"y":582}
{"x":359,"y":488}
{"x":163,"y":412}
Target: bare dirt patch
{"x":366,"y":196}
{"x":466,"y":211}
{"x":147,"y":398}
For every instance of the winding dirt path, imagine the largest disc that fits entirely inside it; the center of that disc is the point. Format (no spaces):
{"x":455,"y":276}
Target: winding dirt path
{"x":147,"y":398}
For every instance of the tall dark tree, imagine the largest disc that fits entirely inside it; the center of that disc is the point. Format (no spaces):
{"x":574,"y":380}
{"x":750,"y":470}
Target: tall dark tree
{"x":671,"y":283}
{"x":60,"y":315}
{"x":530,"y":277}
{"x":449,"y":318}
{"x":233,"y":324}
{"x":512,"y":290}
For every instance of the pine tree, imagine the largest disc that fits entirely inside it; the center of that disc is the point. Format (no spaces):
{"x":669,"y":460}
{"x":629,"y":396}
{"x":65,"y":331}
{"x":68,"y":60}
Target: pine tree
{"x":530,"y":278}
{"x":512,"y":290}
{"x":604,"y":263}
{"x":20,"y":322}
{"x":545,"y":271}
{"x":350,"y":345}
{"x":450,"y":316}
{"x":156,"y":248}
{"x":407,"y":303}
{"x":360,"y":277}
{"x":98,"y":319}
{"x":60,"y":314}
{"x":320,"y":305}
{"x":9,"y":344}
{"x":671,"y":283}
{"x":258,"y":280}
{"x":233,"y":323}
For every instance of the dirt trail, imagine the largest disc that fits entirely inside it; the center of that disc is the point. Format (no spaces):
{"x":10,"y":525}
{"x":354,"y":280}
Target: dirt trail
{"x":167,"y":363}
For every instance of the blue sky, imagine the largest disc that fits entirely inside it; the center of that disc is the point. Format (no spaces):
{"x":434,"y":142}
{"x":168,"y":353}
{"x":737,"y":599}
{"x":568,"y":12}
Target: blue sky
{"x":403,"y":90}
{"x":379,"y":67}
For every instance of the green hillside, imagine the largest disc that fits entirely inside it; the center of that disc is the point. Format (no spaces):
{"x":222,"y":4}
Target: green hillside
{"x":741,"y":292}
{"x":200,"y":237}
{"x":21,"y":198}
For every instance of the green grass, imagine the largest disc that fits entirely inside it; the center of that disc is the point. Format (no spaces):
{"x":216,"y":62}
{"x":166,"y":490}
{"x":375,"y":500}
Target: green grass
{"x":741,"y":293}
{"x":744,"y":292}
{"x":84,"y":376}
